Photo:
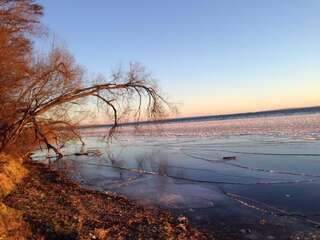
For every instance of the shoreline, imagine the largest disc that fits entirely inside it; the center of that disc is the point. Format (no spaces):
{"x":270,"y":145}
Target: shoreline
{"x":54,"y":207}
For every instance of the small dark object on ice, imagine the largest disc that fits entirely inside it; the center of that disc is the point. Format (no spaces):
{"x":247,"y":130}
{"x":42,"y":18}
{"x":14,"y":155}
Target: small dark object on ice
{"x":93,"y":152}
{"x":230,"y":158}
{"x":80,"y":154}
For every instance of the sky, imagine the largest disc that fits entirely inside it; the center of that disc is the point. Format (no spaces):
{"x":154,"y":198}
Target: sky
{"x":208,"y":56}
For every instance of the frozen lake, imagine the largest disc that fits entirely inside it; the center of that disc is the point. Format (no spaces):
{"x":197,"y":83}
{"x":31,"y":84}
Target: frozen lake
{"x":251,"y":178}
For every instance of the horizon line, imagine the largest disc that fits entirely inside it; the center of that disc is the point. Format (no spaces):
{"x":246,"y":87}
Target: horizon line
{"x":206,"y":117}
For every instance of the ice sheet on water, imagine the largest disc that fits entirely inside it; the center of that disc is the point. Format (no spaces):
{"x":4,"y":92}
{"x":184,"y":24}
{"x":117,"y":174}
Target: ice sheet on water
{"x":169,"y":193}
{"x":295,"y":126}
{"x":182,"y":165}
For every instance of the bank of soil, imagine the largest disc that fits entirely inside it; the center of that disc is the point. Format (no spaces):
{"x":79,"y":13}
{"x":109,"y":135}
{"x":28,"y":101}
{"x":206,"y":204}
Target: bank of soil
{"x":53,"y":207}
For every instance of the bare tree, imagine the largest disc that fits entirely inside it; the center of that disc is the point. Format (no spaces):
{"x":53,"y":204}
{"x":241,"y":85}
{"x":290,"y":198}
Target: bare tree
{"x":37,"y":93}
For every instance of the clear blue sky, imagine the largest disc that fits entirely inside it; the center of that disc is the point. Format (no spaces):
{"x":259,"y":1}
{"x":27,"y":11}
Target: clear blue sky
{"x":209,"y":56}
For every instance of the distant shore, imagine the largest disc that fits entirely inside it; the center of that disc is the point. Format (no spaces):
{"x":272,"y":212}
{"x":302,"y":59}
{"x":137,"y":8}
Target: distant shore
{"x":267,"y":113}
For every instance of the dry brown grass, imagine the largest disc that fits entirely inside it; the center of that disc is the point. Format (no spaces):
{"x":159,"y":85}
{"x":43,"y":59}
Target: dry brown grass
{"x":11,"y":173}
{"x":12,"y":226}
